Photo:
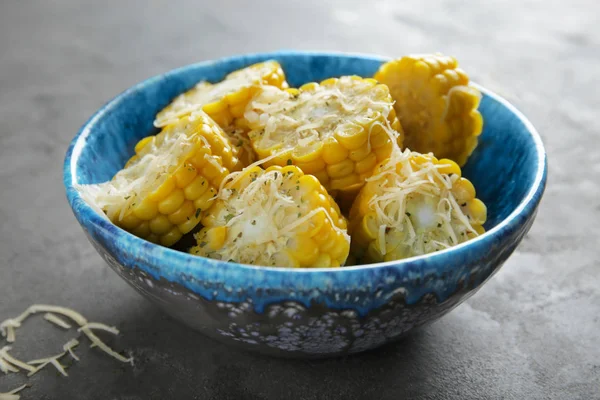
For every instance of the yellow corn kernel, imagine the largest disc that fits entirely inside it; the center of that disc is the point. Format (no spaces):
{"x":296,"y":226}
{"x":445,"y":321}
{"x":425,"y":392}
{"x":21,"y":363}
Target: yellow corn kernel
{"x":367,"y":164}
{"x":240,"y":97}
{"x":203,"y":202}
{"x":322,"y":261}
{"x":142,"y":143}
{"x":334,"y":152}
{"x":196,"y":188}
{"x":307,"y":154}
{"x":130,"y":221}
{"x":304,"y":249}
{"x":361,"y":153}
{"x":464,"y":190}
{"x":162,"y":191}
{"x":216,"y":236}
{"x":160,"y":224}
{"x":449,"y":167}
{"x":345,"y":182}
{"x":171,"y":237}
{"x":341,"y":169}
{"x":215,"y":107}
{"x":185,"y":175}
{"x":142,"y":230}
{"x":146,"y":210}
{"x":183,"y":213}
{"x":190,"y":224}
{"x":478,"y":211}
{"x":312,"y":167}
{"x":172,"y":202}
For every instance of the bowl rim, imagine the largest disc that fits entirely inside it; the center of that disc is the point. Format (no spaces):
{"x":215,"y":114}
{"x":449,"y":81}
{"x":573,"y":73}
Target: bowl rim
{"x":179,"y":259}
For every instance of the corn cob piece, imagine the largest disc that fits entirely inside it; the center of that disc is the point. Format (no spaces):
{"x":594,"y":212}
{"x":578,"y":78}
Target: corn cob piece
{"x":165,"y":189}
{"x":414,"y":204}
{"x":336,"y":130}
{"x":226,"y":100}
{"x":435,"y":104}
{"x":274,"y":217}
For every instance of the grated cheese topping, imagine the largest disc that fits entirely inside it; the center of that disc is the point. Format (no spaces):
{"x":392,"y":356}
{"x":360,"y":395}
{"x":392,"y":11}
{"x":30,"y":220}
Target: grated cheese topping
{"x":415,"y":205}
{"x":283,"y":120}
{"x":263,"y":217}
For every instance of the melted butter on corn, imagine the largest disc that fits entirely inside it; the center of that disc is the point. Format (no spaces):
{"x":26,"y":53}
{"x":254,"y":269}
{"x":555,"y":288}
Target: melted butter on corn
{"x":414,"y":204}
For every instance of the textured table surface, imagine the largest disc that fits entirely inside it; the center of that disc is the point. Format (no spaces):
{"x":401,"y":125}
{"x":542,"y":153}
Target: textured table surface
{"x":532,"y":332}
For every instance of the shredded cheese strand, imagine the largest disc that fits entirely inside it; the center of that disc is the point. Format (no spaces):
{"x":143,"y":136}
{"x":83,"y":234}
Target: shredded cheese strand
{"x":56,"y":320}
{"x":13,"y":361}
{"x":99,"y":343}
{"x":12,"y":395}
{"x":69,"y":346}
{"x":98,"y":325}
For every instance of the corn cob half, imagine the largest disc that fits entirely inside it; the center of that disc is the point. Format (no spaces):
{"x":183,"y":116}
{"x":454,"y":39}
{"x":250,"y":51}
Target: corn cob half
{"x":274,"y":217}
{"x":226,"y":100}
{"x":336,"y":130}
{"x":166,"y":187}
{"x":435,"y":104}
{"x":414,"y":204}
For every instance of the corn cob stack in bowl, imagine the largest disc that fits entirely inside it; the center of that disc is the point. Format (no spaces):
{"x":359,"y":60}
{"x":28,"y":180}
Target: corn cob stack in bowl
{"x":258,"y":168}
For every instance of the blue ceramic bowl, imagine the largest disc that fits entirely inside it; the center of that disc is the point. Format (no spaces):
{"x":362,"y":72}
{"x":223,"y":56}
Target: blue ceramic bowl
{"x":307,"y":312}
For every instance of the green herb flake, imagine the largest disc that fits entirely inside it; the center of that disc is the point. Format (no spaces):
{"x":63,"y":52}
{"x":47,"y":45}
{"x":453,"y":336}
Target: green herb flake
{"x":198,"y":211}
{"x":407,"y":214}
{"x":202,"y":244}
{"x":228,"y":217}
{"x":240,"y":143}
{"x":253,"y":222}
{"x":439,"y":225}
{"x":289,"y":162}
{"x":127,"y":197}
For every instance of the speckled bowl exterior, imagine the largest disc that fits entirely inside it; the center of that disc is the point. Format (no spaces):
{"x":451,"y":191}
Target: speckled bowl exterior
{"x":307,"y":312}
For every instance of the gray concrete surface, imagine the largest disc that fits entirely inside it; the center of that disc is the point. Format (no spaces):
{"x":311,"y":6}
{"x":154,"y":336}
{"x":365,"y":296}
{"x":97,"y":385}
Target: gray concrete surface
{"x":532,"y":332}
